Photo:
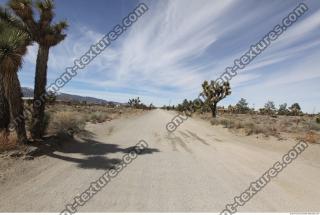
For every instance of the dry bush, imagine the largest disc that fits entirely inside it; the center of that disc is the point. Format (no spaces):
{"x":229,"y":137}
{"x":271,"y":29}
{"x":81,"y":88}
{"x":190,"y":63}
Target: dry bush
{"x":296,"y":126}
{"x":226,"y":123}
{"x":251,"y":128}
{"x":66,"y":123}
{"x":212,"y":121}
{"x":8,"y":141}
{"x":314,"y":126}
{"x":311,"y":137}
{"x":285,"y":125}
{"x":254,"y":128}
{"x":99,"y":113}
{"x":98,"y":117}
{"x":250,"y":124}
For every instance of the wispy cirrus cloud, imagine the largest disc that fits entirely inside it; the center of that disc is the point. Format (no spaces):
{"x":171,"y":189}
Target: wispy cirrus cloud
{"x":178,"y":44}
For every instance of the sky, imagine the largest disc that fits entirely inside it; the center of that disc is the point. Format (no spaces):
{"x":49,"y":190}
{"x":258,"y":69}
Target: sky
{"x":176,"y":45}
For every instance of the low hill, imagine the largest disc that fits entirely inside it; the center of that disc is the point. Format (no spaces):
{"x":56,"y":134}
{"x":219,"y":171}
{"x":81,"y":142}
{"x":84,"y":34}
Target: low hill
{"x":28,"y":92}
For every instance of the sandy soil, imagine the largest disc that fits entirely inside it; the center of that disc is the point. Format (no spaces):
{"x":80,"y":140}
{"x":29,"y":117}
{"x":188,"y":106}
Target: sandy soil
{"x":198,"y":168}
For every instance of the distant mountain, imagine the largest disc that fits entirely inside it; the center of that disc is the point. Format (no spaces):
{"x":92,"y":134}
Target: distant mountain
{"x":28,"y":92}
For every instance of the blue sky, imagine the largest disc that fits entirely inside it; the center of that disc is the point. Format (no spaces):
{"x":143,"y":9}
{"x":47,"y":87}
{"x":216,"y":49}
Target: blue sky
{"x":178,"y":44}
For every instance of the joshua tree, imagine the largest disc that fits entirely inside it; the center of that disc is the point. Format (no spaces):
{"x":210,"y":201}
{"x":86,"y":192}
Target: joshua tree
{"x":4,"y":108}
{"x":46,"y":35}
{"x":214,"y":93}
{"x":5,"y":19}
{"x":135,"y":102}
{"x":13,"y":46}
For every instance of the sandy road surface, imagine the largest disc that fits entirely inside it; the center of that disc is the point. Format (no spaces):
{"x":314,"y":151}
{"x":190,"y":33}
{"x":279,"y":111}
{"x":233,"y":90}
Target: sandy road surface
{"x":198,"y":168}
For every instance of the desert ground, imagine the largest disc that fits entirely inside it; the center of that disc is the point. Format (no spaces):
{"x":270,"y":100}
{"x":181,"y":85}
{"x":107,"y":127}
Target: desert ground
{"x":197,"y":168}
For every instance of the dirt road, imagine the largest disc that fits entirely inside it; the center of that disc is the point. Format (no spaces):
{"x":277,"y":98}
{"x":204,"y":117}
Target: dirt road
{"x":198,"y":168}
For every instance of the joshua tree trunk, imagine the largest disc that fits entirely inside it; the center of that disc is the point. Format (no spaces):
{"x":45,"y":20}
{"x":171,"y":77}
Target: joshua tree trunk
{"x":39,"y":92}
{"x":213,"y":108}
{"x":4,"y":108}
{"x":13,"y":93}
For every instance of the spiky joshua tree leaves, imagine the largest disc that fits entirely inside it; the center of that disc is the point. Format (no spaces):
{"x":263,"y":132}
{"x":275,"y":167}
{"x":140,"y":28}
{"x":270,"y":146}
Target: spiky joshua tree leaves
{"x":135,"y":102}
{"x":46,"y":35}
{"x":13,"y":46}
{"x":214,"y":93}
{"x":4,"y":105}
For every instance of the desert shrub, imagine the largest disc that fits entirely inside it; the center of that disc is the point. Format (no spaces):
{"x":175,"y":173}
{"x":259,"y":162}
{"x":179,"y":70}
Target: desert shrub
{"x":285,"y":125}
{"x":269,"y":108}
{"x":98,"y":117}
{"x":283,"y":110}
{"x":311,"y":137}
{"x":238,"y":125}
{"x":242,"y":106}
{"x":295,"y":109}
{"x":250,"y":126}
{"x":253,"y":128}
{"x":214,"y":122}
{"x":66,"y":123}
{"x":226,"y":123}
{"x":269,"y":126}
{"x":8,"y":141}
{"x":314,"y":126}
{"x":271,"y":131}
{"x":318,"y":120}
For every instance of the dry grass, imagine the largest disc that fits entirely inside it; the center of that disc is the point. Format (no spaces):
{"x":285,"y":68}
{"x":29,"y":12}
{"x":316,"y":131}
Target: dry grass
{"x":311,"y":137}
{"x":65,"y":119}
{"x":66,"y":123}
{"x":8,"y":141}
{"x":248,"y":127}
{"x":92,"y":113}
{"x":298,"y":127}
{"x":71,"y":118}
{"x":98,"y":117}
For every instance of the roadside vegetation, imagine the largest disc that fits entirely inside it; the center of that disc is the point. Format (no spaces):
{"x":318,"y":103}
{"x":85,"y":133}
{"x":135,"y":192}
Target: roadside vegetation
{"x":136,"y":103}
{"x":26,"y":22}
{"x":282,"y":122}
{"x":282,"y":127}
{"x":65,"y":120}
{"x":19,"y":29}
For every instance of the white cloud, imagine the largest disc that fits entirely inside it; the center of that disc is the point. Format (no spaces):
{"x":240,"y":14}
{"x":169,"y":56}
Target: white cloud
{"x":174,"y":46}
